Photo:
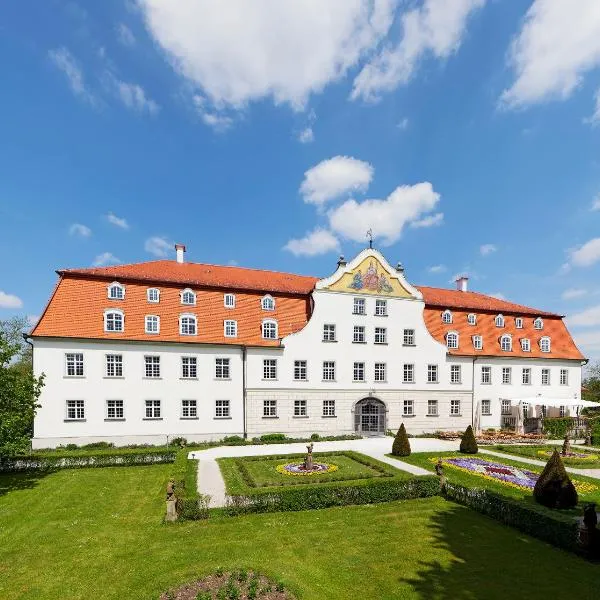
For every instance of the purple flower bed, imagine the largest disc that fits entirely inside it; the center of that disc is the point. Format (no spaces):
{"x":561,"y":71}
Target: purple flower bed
{"x":521,"y":478}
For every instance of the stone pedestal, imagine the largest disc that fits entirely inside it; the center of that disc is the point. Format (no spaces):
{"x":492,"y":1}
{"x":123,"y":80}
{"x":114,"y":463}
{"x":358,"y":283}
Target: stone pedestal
{"x":171,"y":510}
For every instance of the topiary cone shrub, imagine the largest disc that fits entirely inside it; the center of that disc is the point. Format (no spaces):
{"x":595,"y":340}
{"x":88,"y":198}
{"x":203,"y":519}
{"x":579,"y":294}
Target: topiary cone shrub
{"x":554,"y":488}
{"x":468,"y":443}
{"x":401,"y":445}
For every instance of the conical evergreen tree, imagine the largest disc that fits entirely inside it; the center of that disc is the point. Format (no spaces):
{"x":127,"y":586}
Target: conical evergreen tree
{"x":401,"y":445}
{"x":554,"y":488}
{"x":468,"y":443}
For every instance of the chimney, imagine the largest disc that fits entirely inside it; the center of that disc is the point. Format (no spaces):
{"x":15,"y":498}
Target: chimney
{"x":462,"y":283}
{"x":180,"y":250}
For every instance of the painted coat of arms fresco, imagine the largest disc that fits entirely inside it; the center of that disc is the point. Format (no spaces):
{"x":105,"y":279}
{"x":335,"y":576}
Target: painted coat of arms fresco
{"x":371,"y":280}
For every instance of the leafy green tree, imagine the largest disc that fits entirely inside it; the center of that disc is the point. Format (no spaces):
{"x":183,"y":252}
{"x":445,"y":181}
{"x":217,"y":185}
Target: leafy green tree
{"x":591,"y":388}
{"x":401,"y":445}
{"x":13,"y":330}
{"x":468,"y":443}
{"x":19,"y":393}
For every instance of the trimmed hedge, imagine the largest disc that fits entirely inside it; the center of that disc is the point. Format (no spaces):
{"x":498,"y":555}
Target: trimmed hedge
{"x":558,"y":529}
{"x":558,"y":427}
{"x":115,"y":459}
{"x":369,"y":491}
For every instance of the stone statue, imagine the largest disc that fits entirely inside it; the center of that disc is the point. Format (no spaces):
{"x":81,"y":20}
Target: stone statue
{"x":171,"y":502}
{"x":308,"y":461}
{"x":566,"y":447}
{"x":439,"y":468}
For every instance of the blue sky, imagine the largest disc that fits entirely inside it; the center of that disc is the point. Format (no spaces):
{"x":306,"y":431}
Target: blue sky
{"x":273,"y":135}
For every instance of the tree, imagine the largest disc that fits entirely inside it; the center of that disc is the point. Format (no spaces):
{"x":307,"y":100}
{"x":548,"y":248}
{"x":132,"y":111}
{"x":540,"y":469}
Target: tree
{"x":19,"y":392}
{"x":554,"y":488}
{"x":591,"y":388}
{"x":401,"y":445}
{"x":13,"y":330}
{"x":468,"y":443}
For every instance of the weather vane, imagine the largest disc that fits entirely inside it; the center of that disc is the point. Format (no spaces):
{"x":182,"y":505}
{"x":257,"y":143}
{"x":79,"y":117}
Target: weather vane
{"x":370,"y":236}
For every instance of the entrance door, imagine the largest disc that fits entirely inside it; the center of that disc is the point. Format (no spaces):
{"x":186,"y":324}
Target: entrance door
{"x":369,"y":417}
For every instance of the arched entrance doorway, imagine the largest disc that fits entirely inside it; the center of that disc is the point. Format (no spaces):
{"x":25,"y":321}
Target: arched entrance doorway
{"x":369,"y":417}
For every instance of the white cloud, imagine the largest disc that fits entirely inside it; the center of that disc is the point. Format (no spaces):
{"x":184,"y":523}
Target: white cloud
{"x":33,"y":319}
{"x":334,"y":177}
{"x":588,"y":340}
{"x":437,"y":269}
{"x":386,"y":218}
{"x":558,"y":43}
{"x":125,"y":35}
{"x":306,"y":135}
{"x":319,"y":241}
{"x":117,"y":221}
{"x":10,"y":300}
{"x":596,"y":203}
{"x":573,"y":293}
{"x":595,"y":118}
{"x":429,"y":221}
{"x":233,"y":263}
{"x":498,"y":296}
{"x":239,"y":51}
{"x":218,"y":121}
{"x":132,"y":95}
{"x":586,"y":255}
{"x":436,"y":28}
{"x":403,"y":124}
{"x":106,"y":258}
{"x":487,"y":249}
{"x":589,"y":317}
{"x":66,"y":62}
{"x":158,"y":246}
{"x":80,"y":230}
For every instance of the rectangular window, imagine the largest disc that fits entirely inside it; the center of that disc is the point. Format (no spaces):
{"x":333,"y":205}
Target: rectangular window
{"x":329,"y":408}
{"x":432,"y":374}
{"x":409,"y":373}
{"x":74,"y":362}
{"x":486,"y":407}
{"x":477,"y":342}
{"x":381,"y":308}
{"x":152,"y":364}
{"x":114,"y":365}
{"x":359,"y":371}
{"x":486,"y":374}
{"x":561,"y":411}
{"x":506,"y":375}
{"x":545,"y":376}
{"x":380,"y":335}
{"x":525,"y":407}
{"x":230,"y":328}
{"x":300,"y":409}
{"x":359,"y":306}
{"x":75,"y":410}
{"x":408,"y":408}
{"x":269,"y":408}
{"x":526,"y":379}
{"x":300,"y":370}
{"x":189,"y":409}
{"x":455,"y":374}
{"x":380,"y":371}
{"x":329,"y":333}
{"x":222,"y":368}
{"x":328,"y":370}
{"x":114,"y":409}
{"x":189,"y":367}
{"x":432,"y":408}
{"x":564,"y":377}
{"x":455,"y":407}
{"x":152,"y":324}
{"x":409,"y":337}
{"x":229,"y":300}
{"x":222,"y":409}
{"x":358,"y":336}
{"x":270,"y":368}
{"x":152,"y":409}
{"x":506,"y":407}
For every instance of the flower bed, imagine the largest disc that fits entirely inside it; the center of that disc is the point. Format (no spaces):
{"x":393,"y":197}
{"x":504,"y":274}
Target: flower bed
{"x":495,"y":437}
{"x":299,"y":469}
{"x":574,"y":455}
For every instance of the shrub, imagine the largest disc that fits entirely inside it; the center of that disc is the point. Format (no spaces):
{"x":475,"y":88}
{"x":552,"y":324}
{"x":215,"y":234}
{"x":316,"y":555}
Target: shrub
{"x":468,"y":443}
{"x":179,"y":441}
{"x":233,"y":440}
{"x":554,"y":488}
{"x":315,"y":437}
{"x":401,"y":445}
{"x":557,"y":427}
{"x":273,"y":437}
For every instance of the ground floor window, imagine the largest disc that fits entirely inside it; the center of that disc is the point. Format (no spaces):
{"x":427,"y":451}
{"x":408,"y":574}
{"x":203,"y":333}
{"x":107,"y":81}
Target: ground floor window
{"x":455,"y":407}
{"x":269,"y":408}
{"x":506,"y":410}
{"x":114,"y":409}
{"x":189,"y":409}
{"x":329,"y":408}
{"x":75,"y":410}
{"x":486,"y":407}
{"x":222,"y":409}
{"x":525,"y":410}
{"x":432,"y":407}
{"x":408,"y":409}
{"x":300,"y":408}
{"x":152,"y":409}
{"x":561,"y":411}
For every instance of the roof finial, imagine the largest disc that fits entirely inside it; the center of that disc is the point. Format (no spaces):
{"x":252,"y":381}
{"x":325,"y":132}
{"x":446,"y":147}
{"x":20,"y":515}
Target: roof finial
{"x":370,"y":236}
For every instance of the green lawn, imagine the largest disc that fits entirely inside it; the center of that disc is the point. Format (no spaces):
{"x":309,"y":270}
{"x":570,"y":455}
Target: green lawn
{"x":593,"y":462}
{"x":97,"y":533}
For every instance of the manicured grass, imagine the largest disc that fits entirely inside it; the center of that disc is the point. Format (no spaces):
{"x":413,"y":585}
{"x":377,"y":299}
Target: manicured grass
{"x":97,"y":533}
{"x":593,"y":462}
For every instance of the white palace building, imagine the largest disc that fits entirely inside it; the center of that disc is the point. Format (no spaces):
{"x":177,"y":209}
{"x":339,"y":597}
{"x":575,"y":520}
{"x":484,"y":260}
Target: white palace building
{"x":144,"y":352}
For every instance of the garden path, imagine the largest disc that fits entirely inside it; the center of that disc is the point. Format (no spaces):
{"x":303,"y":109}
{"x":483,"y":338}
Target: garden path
{"x":210,"y":480}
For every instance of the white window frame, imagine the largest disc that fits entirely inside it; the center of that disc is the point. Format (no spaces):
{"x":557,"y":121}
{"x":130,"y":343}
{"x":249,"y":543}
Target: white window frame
{"x":269,"y":369}
{"x":328,"y":408}
{"x":358,"y":334}
{"x":229,"y":300}
{"x":380,"y":308}
{"x":472,"y":319}
{"x":545,"y":377}
{"x":433,"y":374}
{"x":358,"y":372}
{"x":380,"y":372}
{"x":499,"y":320}
{"x":300,"y":370}
{"x":564,"y":377}
{"x":408,"y":373}
{"x":526,"y":376}
{"x":545,"y":344}
{"x":113,"y":406}
{"x":452,"y":335}
{"x":506,"y":347}
{"x":269,"y":409}
{"x":150,"y":295}
{"x":189,"y":408}
{"x":189,"y":365}
{"x":152,"y":410}
{"x":380,"y":335}
{"x":478,"y":342}
{"x":230,"y":328}
{"x":486,"y":412}
{"x":300,"y":407}
{"x":78,"y":364}
{"x":408,"y":408}
{"x":269,"y":325}
{"x":152,"y":366}
{"x":505,"y":407}
{"x":562,"y":411}
{"x":486,"y":373}
{"x":189,"y":320}
{"x":506,"y":375}
{"x":114,"y":286}
{"x":78,"y":408}
{"x":538,"y":323}
{"x":113,"y":362}
{"x":408,"y":337}
{"x":329,"y":332}
{"x":432,"y":408}
{"x":267,"y":302}
{"x":148,"y":319}
{"x":455,"y":408}
{"x":359,"y":306}
{"x":525,"y":345}
{"x":112,"y":312}
{"x":519,"y":322}
{"x":222,"y":409}
{"x":328,"y":370}
{"x":222,"y":368}
{"x":447,"y":316}
{"x":185,"y":295}
{"x":455,"y":374}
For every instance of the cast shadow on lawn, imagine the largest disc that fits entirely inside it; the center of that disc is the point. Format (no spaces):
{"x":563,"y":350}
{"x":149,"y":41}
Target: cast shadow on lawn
{"x":493,"y":561}
{"x":10,"y":482}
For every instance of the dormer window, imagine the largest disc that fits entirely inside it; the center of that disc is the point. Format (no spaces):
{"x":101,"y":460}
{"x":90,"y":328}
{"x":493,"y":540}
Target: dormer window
{"x":116,"y":291}
{"x":188,"y":325}
{"x":188,"y":297}
{"x":229,"y":300}
{"x":452,"y":340}
{"x":153,"y":295}
{"x":519,"y":322}
{"x":267,"y":303}
{"x":545,"y":344}
{"x":506,"y":343}
{"x":499,"y":321}
{"x":538,"y":323}
{"x":478,"y":342}
{"x":446,"y":316}
{"x":472,"y":319}
{"x":152,"y":323}
{"x":525,"y":345}
{"x":269,"y":329}
{"x":114,"y":321}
